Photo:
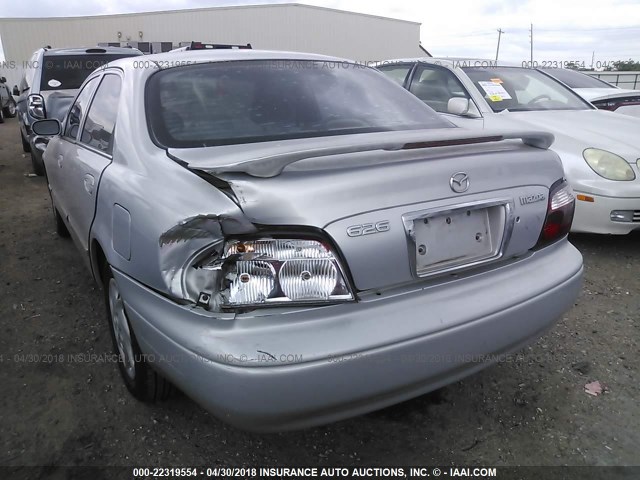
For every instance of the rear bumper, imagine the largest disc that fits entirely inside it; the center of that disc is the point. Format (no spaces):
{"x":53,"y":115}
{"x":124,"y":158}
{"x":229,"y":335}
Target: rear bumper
{"x":298,"y":369}
{"x":595,"y":217}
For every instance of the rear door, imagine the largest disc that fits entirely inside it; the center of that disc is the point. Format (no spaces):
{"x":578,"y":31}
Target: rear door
{"x":85,"y":159}
{"x":59,"y":166}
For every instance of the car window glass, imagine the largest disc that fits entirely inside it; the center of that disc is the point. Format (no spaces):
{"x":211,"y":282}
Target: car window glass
{"x":235,"y":102}
{"x":436,"y":86}
{"x":575,"y":79}
{"x":78,"y":109}
{"x":523,"y":89}
{"x":101,"y":118}
{"x":397,"y":73}
{"x":67,"y":72}
{"x":535,"y":88}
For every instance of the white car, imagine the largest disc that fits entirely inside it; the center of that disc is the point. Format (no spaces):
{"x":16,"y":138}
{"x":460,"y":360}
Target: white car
{"x":600,"y":93}
{"x":599,"y":150}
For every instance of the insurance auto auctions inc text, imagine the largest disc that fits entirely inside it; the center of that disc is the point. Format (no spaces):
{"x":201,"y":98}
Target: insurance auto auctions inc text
{"x":377,"y":472}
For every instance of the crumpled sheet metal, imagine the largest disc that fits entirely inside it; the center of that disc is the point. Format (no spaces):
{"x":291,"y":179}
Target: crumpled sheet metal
{"x":190,"y":238}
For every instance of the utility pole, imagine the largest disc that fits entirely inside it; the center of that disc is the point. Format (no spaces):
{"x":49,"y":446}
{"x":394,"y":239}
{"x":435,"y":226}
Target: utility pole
{"x":593,"y":59}
{"x":498,"y":49}
{"x":531,"y":34}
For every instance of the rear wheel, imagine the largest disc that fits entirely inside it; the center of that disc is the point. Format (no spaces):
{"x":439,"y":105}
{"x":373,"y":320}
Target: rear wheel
{"x":25,"y":143}
{"x":1,"y":115}
{"x":38,"y":167}
{"x":61,"y":228}
{"x":141,"y":379}
{"x":10,"y":110}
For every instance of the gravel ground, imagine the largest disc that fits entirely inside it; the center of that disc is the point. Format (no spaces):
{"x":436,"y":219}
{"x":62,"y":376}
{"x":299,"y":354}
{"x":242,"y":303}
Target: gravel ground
{"x":531,"y":410}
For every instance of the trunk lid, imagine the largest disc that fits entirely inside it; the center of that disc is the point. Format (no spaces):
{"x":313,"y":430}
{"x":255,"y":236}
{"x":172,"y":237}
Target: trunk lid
{"x":373,"y":203}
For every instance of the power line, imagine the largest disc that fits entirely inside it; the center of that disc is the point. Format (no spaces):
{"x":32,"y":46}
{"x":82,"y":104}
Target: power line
{"x":581,"y":29}
{"x":548,"y":30}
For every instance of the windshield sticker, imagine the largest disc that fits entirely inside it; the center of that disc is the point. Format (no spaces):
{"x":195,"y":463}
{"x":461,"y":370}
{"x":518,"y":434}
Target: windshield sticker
{"x":495,"y":91}
{"x":54,"y":83}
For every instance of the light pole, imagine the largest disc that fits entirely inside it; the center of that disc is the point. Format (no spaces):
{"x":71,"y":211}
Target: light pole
{"x":531,"y":32}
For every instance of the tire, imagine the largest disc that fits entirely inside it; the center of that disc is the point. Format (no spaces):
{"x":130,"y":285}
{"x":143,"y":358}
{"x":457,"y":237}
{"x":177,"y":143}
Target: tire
{"x":61,"y":228}
{"x":26,"y":148}
{"x":10,"y":110}
{"x":38,"y":167}
{"x":141,"y":379}
{"x":1,"y":115}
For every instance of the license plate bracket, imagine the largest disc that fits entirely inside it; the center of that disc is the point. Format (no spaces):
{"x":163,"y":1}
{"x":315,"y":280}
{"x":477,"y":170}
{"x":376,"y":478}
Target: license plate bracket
{"x":443,"y":240}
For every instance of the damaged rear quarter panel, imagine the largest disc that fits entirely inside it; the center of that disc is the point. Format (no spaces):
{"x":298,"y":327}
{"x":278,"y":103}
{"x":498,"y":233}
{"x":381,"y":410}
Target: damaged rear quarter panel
{"x":174,"y":214}
{"x":162,"y":198}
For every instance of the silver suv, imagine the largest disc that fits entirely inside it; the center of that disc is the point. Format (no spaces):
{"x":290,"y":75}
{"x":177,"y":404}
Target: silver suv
{"x":49,"y":85}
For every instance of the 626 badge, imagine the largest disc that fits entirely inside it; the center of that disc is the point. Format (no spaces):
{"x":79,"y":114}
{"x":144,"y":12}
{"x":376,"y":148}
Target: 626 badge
{"x":368,"y":228}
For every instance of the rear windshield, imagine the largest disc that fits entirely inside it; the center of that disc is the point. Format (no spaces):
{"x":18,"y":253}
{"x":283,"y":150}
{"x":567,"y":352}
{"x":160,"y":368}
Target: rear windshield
{"x":63,"y":72}
{"x":576,"y":79}
{"x":256,"y":101}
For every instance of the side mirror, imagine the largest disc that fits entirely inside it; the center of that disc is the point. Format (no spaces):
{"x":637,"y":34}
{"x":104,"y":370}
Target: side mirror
{"x":3,"y":79}
{"x":16,"y":91}
{"x":458,"y":106}
{"x":48,"y":127}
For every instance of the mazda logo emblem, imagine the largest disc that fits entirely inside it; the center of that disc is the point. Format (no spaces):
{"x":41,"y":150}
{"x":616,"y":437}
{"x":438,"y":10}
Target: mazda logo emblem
{"x":459,"y":182}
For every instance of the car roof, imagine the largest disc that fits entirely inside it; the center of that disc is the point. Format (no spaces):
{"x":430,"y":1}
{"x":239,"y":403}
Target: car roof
{"x":579,"y":74}
{"x":172,"y":59}
{"x":451,"y":62}
{"x":91,"y":51}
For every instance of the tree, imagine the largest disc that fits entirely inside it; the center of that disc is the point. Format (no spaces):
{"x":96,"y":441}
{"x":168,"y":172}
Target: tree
{"x":627,"y":66}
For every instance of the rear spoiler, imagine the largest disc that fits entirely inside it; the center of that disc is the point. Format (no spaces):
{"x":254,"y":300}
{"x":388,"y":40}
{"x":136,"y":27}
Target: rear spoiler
{"x":273,"y":165}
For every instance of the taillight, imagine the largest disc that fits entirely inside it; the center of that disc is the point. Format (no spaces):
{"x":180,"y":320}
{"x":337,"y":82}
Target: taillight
{"x":560,"y":208}
{"x":266,"y":272}
{"x":36,"y":106}
{"x":281,"y":271}
{"x":614,"y":104}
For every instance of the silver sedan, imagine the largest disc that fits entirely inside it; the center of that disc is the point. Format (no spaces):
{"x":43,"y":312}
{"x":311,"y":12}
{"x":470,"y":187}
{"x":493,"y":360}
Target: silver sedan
{"x":292,"y":239}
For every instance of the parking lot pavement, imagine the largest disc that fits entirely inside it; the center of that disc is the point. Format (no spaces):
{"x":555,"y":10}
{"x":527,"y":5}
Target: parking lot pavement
{"x":63,"y":402}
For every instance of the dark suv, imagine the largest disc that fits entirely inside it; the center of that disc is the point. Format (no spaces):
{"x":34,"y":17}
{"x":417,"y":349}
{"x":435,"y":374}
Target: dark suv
{"x":50,"y":84}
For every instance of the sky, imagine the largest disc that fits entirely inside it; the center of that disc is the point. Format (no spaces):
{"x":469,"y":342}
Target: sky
{"x":563,"y":30}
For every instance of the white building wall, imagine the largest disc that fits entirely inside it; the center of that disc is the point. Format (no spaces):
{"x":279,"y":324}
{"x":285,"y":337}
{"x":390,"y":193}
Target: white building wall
{"x":280,"y":27}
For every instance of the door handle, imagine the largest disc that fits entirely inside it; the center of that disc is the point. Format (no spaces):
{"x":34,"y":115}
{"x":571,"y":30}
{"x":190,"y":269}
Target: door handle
{"x":89,"y":182}
{"x":60,"y":161}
